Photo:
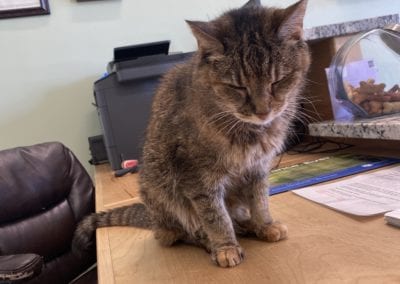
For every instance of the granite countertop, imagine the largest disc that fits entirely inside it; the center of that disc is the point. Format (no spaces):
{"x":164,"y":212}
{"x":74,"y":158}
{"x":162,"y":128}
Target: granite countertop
{"x":384,"y":127}
{"x":346,"y":28}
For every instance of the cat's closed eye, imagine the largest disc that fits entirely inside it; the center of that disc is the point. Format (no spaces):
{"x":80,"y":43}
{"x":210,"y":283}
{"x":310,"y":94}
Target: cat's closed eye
{"x":281,"y":80}
{"x":241,"y":89}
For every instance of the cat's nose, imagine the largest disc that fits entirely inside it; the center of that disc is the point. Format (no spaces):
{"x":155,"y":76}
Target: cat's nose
{"x":262,"y":116}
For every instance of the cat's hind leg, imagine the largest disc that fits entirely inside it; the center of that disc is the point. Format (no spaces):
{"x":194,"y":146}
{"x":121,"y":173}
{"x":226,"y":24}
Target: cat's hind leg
{"x":273,"y":232}
{"x":168,"y":237}
{"x":167,"y":230}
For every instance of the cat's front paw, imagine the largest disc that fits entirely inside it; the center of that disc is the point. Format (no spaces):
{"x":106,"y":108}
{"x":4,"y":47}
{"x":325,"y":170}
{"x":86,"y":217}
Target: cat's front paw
{"x":228,"y":256}
{"x":273,"y":232}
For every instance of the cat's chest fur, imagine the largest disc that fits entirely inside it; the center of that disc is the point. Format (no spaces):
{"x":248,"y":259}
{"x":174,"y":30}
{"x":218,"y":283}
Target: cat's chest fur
{"x":241,"y":154}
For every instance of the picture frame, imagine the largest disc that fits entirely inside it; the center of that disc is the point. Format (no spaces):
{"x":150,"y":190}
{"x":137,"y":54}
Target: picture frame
{"x":23,"y":8}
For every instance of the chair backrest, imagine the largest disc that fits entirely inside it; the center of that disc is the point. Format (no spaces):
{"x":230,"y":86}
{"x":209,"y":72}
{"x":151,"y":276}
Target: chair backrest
{"x":44,"y":193}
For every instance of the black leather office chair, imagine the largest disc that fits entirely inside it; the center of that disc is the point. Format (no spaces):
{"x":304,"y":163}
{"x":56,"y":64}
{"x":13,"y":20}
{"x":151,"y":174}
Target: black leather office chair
{"x":44,"y":193}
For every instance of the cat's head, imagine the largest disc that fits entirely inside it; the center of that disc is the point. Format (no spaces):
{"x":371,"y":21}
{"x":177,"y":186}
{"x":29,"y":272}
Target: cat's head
{"x":255,"y":59}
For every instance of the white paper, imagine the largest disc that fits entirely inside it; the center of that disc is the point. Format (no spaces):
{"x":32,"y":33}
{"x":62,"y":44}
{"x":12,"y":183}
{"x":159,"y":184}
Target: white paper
{"x":393,"y":218}
{"x":18,"y":4}
{"x":364,"y":195}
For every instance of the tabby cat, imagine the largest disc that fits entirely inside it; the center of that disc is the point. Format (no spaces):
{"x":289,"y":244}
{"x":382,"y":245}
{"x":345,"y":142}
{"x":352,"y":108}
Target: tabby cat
{"x":217,"y":122}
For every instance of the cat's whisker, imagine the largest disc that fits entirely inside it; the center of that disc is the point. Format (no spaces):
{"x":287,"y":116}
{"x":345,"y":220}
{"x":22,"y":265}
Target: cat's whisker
{"x":312,"y":113}
{"x":218,"y":116}
{"x":227,"y":125}
{"x":222,"y":125}
{"x":222,"y":116}
{"x":303,"y":114}
{"x":309,"y":100}
{"x":313,"y":116}
{"x":233,"y":126}
{"x":303,"y":118}
{"x":313,"y":82}
{"x":309,"y":97}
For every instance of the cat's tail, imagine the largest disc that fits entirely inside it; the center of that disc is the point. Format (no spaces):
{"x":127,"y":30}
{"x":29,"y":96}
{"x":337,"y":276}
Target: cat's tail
{"x":135,"y":215}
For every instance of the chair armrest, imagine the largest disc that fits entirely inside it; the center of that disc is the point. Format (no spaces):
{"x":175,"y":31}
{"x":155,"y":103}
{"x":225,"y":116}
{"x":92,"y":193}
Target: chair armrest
{"x":19,"y":266}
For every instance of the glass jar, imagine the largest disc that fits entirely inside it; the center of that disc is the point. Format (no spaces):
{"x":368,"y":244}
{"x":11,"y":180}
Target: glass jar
{"x":364,"y":75}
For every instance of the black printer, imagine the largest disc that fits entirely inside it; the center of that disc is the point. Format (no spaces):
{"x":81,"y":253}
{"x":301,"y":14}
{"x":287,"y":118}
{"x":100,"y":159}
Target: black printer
{"x":124,"y":95}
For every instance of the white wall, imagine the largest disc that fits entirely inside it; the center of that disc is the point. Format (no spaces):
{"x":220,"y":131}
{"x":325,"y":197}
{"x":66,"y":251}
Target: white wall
{"x":49,"y":63}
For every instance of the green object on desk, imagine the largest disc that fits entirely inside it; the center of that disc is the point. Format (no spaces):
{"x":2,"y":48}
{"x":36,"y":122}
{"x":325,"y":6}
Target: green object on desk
{"x":324,"y":169}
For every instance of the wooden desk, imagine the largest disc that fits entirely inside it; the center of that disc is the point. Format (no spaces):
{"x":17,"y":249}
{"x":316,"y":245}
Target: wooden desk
{"x":324,"y":246}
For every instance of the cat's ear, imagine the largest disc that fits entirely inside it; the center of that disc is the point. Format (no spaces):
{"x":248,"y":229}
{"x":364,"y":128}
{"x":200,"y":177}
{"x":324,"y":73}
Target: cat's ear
{"x":252,"y":3}
{"x":292,"y":25}
{"x":206,"y":36}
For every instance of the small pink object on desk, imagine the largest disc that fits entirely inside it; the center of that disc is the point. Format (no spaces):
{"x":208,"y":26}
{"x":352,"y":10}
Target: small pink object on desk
{"x":129,"y":164}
